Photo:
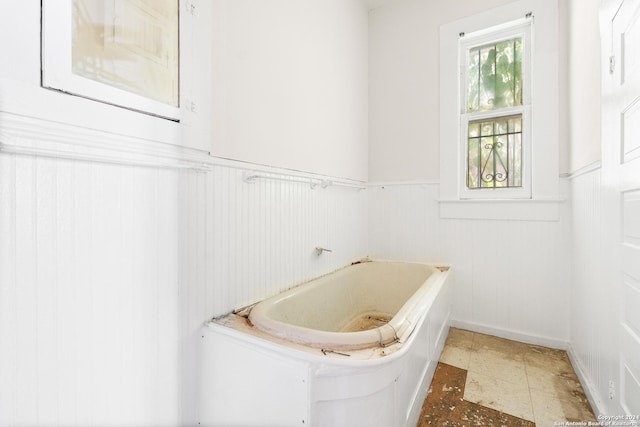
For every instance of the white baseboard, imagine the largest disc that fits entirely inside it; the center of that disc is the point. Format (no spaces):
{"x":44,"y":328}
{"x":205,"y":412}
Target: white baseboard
{"x":511,"y":335}
{"x":589,"y":390}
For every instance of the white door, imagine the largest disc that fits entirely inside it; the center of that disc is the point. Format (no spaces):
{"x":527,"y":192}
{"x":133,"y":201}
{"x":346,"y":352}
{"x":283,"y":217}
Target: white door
{"x":621,"y":183}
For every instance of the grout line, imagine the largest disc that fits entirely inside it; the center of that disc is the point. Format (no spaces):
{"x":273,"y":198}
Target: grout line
{"x":526,"y":371}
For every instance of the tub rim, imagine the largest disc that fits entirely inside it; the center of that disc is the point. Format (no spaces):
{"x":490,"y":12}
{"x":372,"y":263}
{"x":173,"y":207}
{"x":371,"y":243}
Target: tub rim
{"x":397,"y":330}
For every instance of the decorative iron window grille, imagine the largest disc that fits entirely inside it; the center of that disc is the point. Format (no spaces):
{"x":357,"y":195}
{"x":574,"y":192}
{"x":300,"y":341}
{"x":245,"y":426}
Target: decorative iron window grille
{"x":495,"y":152}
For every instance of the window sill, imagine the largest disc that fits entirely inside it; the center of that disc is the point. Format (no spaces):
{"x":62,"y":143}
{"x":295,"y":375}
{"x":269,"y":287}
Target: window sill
{"x":502,"y":209}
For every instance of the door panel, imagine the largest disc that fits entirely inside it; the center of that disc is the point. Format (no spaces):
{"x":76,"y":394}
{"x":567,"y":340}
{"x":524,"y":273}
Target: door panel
{"x":621,"y":168}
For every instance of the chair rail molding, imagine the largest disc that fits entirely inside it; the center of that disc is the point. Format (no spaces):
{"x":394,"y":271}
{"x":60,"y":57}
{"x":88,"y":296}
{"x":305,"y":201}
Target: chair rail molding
{"x":38,"y":137}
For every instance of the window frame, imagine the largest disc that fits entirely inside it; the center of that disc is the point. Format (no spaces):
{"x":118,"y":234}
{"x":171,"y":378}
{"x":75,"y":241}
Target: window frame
{"x":521,"y":28}
{"x":546,"y":112}
{"x":57,"y":68}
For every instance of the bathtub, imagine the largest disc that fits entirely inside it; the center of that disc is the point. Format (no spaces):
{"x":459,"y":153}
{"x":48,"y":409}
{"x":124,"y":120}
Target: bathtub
{"x":357,"y":347}
{"x":366,"y":305}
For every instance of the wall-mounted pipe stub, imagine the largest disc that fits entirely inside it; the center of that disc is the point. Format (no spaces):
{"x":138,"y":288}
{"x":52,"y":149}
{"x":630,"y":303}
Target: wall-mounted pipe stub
{"x":319,"y":250}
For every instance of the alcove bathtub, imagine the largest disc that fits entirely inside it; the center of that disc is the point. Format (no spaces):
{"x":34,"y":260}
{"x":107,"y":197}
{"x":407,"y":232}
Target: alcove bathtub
{"x":356,"y":347}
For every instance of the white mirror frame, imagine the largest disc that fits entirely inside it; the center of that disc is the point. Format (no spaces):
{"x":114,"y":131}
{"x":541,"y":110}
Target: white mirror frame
{"x":57,"y":71}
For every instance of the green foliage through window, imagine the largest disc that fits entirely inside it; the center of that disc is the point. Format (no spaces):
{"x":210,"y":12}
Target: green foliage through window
{"x":495,"y":76}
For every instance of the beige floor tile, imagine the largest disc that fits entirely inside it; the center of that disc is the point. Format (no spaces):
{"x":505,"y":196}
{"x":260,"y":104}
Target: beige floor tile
{"x":499,"y":358}
{"x":460,"y":338}
{"x":508,"y":397}
{"x":510,"y":349}
{"x":455,"y":356}
{"x":552,"y":360}
{"x":549,"y":410}
{"x":498,"y":365}
{"x":530,"y":382}
{"x":560,"y":386}
{"x":457,"y":348}
{"x":550,"y":372}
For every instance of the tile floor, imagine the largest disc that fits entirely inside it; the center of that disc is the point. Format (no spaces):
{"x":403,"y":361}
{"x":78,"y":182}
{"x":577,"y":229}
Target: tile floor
{"x":483,"y":380}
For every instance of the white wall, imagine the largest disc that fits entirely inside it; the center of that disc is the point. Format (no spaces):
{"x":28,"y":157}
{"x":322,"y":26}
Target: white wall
{"x":509,"y":277}
{"x":404,"y":99}
{"x":118,"y":240}
{"x":290,"y":84}
{"x":99,"y":247}
{"x":583,"y":83}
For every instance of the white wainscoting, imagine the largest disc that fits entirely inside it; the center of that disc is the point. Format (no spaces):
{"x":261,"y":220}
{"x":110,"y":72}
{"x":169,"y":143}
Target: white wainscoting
{"x":605,"y":330}
{"x":108,"y":272}
{"x":605,"y":326}
{"x":587,"y":332}
{"x":510,"y":277}
{"x":90,"y":277}
{"x":264,"y":233}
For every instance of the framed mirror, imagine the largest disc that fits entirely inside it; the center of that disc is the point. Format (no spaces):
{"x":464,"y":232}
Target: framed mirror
{"x":121,"y":52}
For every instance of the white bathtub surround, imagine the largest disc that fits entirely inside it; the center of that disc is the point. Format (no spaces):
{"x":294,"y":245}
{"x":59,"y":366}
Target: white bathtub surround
{"x":320,"y":387}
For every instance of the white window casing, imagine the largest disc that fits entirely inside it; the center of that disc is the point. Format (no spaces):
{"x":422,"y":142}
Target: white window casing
{"x":537,"y":199}
{"x":520,"y":28}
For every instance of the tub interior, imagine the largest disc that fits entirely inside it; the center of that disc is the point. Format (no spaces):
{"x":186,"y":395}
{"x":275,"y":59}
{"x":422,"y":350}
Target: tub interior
{"x":358,"y":298}
{"x":366,"y":321}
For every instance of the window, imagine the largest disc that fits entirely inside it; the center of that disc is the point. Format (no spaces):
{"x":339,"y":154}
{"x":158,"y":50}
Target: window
{"x":494,"y":134}
{"x":500,"y":113}
{"x":121,"y":52}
